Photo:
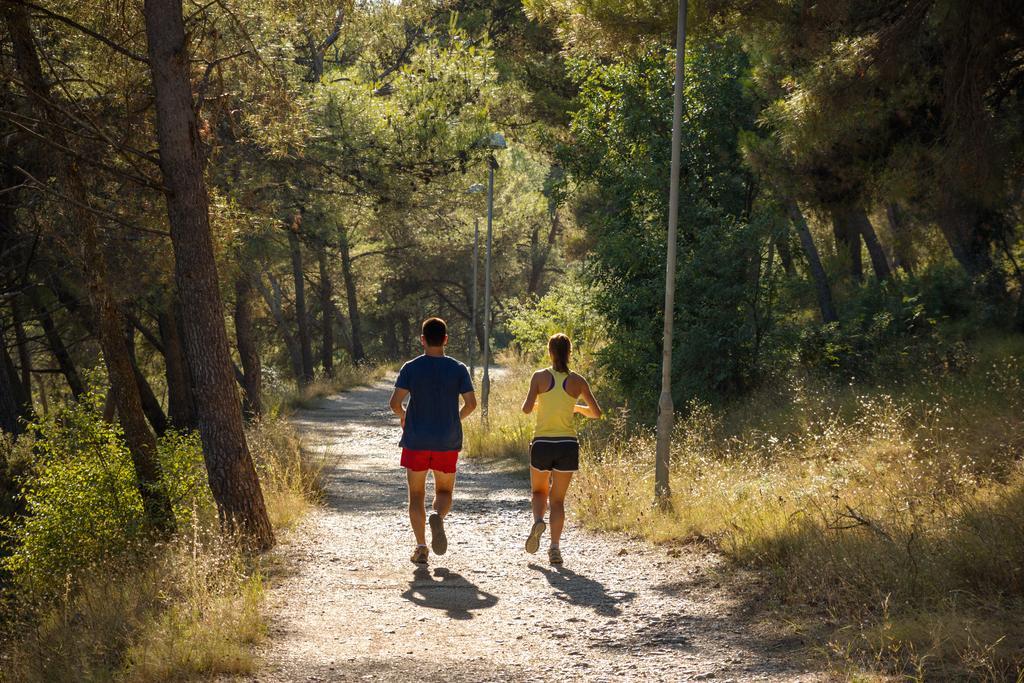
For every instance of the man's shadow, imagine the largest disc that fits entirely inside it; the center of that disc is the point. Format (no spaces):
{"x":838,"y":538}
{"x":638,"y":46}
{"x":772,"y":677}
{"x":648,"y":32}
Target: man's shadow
{"x":577,"y":589}
{"x":452,"y":593}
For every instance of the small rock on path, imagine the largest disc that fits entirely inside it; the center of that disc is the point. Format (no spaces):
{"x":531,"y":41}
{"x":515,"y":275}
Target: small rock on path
{"x":345,"y":603}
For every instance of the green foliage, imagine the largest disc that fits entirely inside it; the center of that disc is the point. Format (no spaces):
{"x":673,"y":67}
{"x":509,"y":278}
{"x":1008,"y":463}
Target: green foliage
{"x":82,"y":505}
{"x":620,"y":151}
{"x":570,"y":307}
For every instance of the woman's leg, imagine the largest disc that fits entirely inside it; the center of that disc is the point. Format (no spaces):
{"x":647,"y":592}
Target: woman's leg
{"x":540,"y":483}
{"x":559,"y":487}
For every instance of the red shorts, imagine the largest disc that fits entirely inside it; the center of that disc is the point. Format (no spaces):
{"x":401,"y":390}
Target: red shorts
{"x":418,"y":461}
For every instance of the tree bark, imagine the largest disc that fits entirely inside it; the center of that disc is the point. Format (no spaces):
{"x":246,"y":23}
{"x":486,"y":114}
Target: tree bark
{"x":301,"y":314}
{"x":231,"y":472}
{"x":539,"y":253}
{"x":902,"y":244}
{"x":57,"y":347}
{"x":326,"y":312}
{"x":109,"y":321}
{"x":248,"y":350}
{"x":24,"y":355}
{"x":273,"y":301}
{"x":848,"y":242}
{"x":857,"y":219}
{"x":818,"y":276}
{"x":150,"y":404}
{"x":10,"y":413}
{"x":358,"y":355}
{"x":964,"y":226}
{"x":181,"y":405}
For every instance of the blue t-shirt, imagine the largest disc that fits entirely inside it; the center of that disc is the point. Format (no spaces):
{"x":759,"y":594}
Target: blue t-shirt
{"x":432,"y":419}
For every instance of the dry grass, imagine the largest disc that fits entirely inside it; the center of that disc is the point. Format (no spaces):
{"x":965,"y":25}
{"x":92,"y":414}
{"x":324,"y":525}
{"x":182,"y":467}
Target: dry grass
{"x":508,"y":431}
{"x":190,"y":609}
{"x":895,"y":518}
{"x":345,"y":378}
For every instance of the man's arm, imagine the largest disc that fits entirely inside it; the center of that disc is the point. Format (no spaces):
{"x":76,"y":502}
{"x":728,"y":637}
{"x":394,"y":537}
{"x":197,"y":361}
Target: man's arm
{"x":397,"y":397}
{"x":468,"y":404}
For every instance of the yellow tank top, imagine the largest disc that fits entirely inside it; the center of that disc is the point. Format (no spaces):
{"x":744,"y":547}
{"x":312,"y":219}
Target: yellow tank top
{"x":555,"y":409}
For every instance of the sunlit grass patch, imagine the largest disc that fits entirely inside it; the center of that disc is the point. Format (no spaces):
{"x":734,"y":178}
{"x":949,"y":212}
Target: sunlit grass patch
{"x":506,"y":434}
{"x":897,"y":513}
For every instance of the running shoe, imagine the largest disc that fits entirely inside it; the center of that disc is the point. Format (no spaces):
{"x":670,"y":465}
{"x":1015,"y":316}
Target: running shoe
{"x":438,"y":539}
{"x":419,"y":556}
{"x":554,"y":556}
{"x":533,"y":540}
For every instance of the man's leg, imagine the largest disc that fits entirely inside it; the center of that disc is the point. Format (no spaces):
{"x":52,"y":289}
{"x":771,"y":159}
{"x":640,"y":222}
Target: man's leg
{"x":417,"y":513}
{"x":559,"y":487}
{"x":540,"y":481}
{"x":444,"y":484}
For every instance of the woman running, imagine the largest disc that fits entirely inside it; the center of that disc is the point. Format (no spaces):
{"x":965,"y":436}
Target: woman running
{"x":554,"y":451}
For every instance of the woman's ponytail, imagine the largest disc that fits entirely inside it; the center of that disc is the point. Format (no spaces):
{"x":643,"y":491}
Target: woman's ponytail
{"x":559,"y":347}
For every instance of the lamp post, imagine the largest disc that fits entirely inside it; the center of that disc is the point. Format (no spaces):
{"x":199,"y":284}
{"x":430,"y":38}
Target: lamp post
{"x":666,"y":411}
{"x":476,"y":188}
{"x":494,"y":141}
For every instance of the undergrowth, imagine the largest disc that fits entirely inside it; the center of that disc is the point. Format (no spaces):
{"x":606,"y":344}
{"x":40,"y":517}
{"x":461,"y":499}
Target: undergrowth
{"x":889,"y":520}
{"x":88,"y":595}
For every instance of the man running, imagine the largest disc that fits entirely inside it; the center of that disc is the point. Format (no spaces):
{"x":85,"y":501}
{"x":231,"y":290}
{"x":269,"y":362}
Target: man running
{"x":432,"y":431}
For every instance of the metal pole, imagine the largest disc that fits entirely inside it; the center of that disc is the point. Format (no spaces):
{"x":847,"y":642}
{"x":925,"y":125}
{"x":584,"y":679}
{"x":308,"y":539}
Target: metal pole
{"x":666,"y":411}
{"x":486,"y":384}
{"x":472,"y":332}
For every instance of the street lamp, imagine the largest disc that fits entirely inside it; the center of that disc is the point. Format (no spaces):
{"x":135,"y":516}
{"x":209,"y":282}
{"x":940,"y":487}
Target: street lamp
{"x":493,"y":142}
{"x":666,"y":411}
{"x":475,"y":188}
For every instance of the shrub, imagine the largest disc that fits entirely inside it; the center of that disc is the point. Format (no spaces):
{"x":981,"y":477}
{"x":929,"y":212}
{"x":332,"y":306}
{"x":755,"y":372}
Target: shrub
{"x":82,"y":506}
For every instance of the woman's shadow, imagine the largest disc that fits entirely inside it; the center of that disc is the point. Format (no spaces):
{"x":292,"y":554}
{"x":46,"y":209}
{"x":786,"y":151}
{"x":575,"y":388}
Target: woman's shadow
{"x":452,"y":593}
{"x":577,"y":589}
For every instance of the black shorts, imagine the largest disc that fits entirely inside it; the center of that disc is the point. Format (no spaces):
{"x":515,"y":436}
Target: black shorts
{"x":558,"y":453}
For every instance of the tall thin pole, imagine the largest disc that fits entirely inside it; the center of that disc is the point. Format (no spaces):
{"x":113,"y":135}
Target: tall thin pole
{"x":476,"y":260}
{"x":486,"y":384}
{"x":666,"y":411}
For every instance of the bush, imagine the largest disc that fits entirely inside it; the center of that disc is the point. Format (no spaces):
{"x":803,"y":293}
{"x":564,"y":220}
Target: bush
{"x":82,"y":506}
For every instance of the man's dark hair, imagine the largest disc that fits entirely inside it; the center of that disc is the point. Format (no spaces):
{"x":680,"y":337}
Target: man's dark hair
{"x":434,"y":331}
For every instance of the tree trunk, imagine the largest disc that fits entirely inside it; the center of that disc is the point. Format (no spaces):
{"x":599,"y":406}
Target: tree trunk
{"x":231,"y":472}
{"x":821,"y":286}
{"x":57,"y":347}
{"x":10,"y":413}
{"x":109,"y":321}
{"x":326,"y":312}
{"x":301,"y":314}
{"x":181,"y":404}
{"x":857,"y":219}
{"x":248,"y":350}
{"x":785,"y":253}
{"x":150,"y":403}
{"x":539,"y":253}
{"x":903,"y":246}
{"x":24,"y":355}
{"x":964,"y":227}
{"x":848,"y":242}
{"x":273,"y":301}
{"x":358,"y":355}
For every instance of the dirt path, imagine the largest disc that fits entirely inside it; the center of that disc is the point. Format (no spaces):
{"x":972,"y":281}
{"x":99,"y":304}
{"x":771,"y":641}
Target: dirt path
{"x":347,"y":605}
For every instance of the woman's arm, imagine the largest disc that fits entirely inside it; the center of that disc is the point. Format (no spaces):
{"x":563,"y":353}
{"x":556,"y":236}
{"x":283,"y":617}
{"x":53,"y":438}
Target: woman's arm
{"x":591,"y":409}
{"x":531,"y":397}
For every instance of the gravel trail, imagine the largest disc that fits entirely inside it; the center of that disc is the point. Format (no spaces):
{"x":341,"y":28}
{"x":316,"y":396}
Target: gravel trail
{"x":347,"y":605}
